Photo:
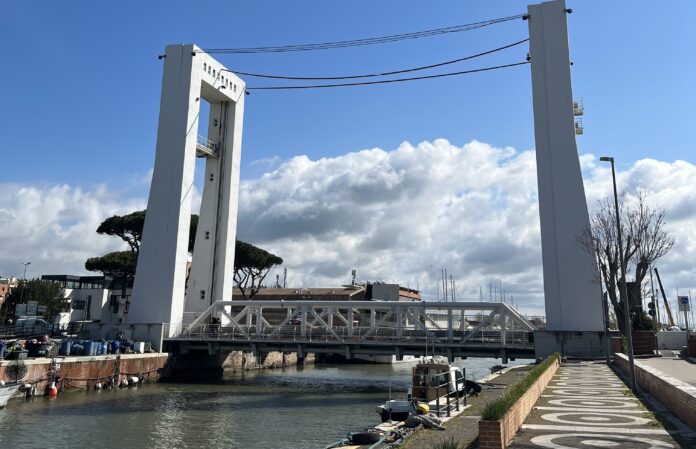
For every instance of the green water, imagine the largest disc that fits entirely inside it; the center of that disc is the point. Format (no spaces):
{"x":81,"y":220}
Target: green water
{"x":308,"y":407}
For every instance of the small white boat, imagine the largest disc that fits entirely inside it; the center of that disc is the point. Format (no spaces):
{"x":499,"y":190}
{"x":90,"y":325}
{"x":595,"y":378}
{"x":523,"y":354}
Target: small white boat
{"x":7,"y":391}
{"x":431,"y":379}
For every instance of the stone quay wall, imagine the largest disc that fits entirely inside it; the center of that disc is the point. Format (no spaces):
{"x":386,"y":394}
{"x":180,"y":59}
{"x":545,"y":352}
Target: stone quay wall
{"x":75,"y":373}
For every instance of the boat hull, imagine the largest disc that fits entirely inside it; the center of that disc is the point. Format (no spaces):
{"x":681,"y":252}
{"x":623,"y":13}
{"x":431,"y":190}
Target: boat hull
{"x":6,"y":392}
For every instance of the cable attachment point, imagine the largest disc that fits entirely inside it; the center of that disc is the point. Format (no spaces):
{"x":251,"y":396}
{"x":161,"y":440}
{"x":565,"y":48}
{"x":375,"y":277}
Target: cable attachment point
{"x":569,"y":10}
{"x":161,"y":56}
{"x":525,"y":17}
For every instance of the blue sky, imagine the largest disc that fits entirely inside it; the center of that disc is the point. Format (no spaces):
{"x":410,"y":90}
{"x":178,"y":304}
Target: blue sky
{"x":80,"y":89}
{"x":81,"y":80}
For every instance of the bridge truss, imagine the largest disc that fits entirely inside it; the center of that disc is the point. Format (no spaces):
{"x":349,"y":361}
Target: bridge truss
{"x":459,"y":329}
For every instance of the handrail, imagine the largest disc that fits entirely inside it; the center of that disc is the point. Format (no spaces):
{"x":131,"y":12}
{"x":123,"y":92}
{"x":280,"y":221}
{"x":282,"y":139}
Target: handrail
{"x":205,"y":142}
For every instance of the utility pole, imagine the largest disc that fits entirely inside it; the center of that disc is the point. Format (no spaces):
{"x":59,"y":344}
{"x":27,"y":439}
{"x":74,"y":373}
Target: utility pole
{"x":24,"y":282}
{"x":655,"y":300}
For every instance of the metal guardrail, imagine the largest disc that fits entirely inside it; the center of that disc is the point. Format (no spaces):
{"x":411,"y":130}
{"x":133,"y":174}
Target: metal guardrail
{"x":9,"y":332}
{"x":342,"y":334}
{"x":13,"y":331}
{"x":350,"y":327}
{"x":451,"y":404}
{"x":205,"y":147}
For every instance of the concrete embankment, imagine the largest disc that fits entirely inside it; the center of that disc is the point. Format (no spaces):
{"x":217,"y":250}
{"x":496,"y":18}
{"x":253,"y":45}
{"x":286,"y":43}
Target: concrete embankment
{"x":202,"y":366}
{"x":84,"y":372}
{"x":80,"y":372}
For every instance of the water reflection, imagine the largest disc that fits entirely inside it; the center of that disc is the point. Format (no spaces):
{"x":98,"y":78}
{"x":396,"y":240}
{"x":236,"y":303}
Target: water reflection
{"x":290,"y":408}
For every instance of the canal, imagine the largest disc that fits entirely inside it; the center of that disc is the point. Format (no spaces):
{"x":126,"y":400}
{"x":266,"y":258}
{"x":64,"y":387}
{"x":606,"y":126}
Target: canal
{"x":306,"y":407}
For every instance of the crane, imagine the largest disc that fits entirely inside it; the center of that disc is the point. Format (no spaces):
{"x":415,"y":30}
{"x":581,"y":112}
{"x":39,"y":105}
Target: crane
{"x":662,"y":289}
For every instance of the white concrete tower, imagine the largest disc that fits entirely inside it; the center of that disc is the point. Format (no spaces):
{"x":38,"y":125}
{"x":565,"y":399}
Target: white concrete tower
{"x":159,"y":292}
{"x":572,"y":300}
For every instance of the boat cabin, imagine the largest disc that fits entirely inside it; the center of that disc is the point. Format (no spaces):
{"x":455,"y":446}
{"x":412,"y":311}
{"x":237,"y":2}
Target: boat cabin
{"x":433,"y":380}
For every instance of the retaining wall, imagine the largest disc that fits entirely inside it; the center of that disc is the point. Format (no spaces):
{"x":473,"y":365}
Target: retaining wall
{"x":498,"y":434}
{"x":238,"y":361}
{"x":84,"y":372}
{"x":679,"y":397}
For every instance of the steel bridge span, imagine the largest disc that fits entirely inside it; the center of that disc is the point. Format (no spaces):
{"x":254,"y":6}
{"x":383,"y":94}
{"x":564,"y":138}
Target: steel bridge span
{"x":350,"y":328}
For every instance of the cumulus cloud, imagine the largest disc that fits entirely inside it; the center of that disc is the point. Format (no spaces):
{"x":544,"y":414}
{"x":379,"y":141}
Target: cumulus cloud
{"x":53,"y":227}
{"x":401,"y":216}
{"x":397,"y":216}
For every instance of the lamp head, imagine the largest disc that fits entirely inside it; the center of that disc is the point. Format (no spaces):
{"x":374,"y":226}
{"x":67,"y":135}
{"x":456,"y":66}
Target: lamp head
{"x":606,"y":159}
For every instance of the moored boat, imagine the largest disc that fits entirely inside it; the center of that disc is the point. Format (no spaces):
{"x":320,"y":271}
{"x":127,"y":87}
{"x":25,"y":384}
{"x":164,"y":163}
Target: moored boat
{"x":7,"y":391}
{"x":431,"y":380}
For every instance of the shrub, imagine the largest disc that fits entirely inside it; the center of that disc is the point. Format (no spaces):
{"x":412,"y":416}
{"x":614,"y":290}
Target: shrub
{"x":449,"y":443}
{"x":495,"y":409}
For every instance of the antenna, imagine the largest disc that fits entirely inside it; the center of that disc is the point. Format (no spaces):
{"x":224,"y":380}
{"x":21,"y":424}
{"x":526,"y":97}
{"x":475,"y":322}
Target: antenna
{"x":352,"y":273}
{"x":285,"y":276}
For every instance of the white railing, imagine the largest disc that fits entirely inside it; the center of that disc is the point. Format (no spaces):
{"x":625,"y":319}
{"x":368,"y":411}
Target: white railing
{"x":387,"y":335}
{"x":205,"y":147}
{"x":375,"y":322}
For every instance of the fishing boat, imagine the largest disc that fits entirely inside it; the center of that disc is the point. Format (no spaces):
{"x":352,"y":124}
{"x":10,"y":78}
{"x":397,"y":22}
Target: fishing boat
{"x":431,"y":380}
{"x":7,"y":391}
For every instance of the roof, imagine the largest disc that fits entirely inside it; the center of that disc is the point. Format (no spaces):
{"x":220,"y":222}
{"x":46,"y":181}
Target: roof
{"x":300,"y":292}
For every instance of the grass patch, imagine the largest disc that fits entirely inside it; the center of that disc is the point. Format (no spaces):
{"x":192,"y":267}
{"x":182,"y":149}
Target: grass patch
{"x":449,"y":443}
{"x":495,"y":409}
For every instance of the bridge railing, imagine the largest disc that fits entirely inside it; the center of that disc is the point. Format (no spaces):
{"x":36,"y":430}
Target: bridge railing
{"x":344,"y":334}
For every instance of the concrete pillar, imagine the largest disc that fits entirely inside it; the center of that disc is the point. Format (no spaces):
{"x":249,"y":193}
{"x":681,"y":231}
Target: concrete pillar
{"x":160,"y":283}
{"x":571,"y":303}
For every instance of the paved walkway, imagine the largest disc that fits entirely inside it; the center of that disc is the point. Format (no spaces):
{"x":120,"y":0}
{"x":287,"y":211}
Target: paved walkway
{"x":674,"y":366}
{"x":587,"y":406}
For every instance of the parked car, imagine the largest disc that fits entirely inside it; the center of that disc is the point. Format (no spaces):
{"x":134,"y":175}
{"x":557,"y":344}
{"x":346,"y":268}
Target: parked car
{"x":32,"y":326}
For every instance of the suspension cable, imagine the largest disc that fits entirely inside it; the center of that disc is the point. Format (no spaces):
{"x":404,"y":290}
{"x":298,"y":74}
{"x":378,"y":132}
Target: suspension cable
{"x":398,"y":80}
{"x":372,"y":75}
{"x":364,"y":41}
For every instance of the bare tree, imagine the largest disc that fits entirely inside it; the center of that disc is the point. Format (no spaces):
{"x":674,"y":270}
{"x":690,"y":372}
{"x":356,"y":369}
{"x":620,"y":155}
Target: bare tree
{"x":646,"y":240}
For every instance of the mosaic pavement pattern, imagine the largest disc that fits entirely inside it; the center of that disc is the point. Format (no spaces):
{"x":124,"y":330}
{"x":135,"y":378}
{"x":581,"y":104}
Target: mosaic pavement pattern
{"x":587,"y":406}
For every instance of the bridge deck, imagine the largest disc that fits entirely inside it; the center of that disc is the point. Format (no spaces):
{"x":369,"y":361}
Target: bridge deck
{"x":358,"y":327}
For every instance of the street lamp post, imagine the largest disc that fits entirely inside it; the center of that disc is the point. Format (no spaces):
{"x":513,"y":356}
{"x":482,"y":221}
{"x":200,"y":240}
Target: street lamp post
{"x":627,"y":305}
{"x":24,"y":282}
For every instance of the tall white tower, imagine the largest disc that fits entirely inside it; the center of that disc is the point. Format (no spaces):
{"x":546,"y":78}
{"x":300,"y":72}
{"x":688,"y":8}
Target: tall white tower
{"x":573,"y":302}
{"x":159,"y":292}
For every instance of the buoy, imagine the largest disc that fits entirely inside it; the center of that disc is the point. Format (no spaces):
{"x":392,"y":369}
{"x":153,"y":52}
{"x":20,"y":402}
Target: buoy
{"x":422,"y":408}
{"x":52,"y":390}
{"x":134,"y":380}
{"x":2,"y":383}
{"x":98,"y":386}
{"x":124,"y":383}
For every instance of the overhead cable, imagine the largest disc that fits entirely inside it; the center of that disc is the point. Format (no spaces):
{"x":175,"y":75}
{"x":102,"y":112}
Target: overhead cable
{"x":372,"y":75}
{"x":364,"y":41}
{"x":398,"y":80}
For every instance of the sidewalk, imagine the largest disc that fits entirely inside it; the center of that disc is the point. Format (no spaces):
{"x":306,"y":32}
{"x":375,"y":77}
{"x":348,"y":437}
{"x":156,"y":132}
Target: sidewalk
{"x":586,"y":406}
{"x":677,"y":367}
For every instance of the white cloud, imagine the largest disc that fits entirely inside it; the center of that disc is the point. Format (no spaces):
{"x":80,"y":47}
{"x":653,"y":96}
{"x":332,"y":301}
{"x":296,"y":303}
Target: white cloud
{"x":54,"y":227}
{"x":397,"y":216}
